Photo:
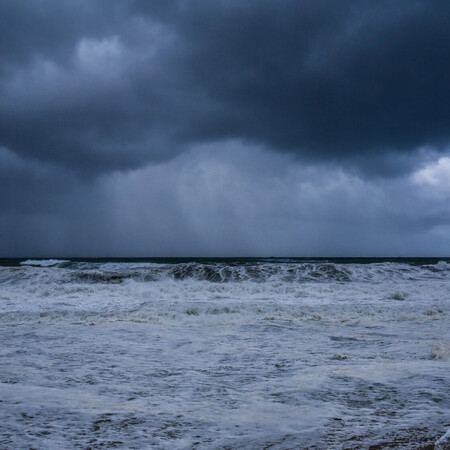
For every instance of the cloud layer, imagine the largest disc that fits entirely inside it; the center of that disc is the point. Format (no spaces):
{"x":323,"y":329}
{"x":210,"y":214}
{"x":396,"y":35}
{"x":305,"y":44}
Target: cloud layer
{"x":98,"y":87}
{"x":231,"y":200}
{"x":224,"y":127}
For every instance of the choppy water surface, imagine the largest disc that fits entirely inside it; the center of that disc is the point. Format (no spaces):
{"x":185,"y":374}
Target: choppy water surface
{"x":224,"y":354}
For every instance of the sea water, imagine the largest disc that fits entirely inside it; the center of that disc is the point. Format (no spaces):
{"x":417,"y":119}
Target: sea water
{"x":224,"y":353}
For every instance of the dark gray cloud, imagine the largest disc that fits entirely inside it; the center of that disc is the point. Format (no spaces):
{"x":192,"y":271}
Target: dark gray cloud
{"x":97,"y":86}
{"x":232,"y":199}
{"x":182,"y":127}
{"x":327,"y":78}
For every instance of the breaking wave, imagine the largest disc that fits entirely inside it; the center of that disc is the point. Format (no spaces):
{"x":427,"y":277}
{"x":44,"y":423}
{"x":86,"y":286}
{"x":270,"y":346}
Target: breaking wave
{"x":44,"y":262}
{"x":258,"y":271}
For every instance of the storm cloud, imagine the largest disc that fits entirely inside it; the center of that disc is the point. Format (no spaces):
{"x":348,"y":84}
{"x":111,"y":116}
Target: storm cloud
{"x":99,"y":86}
{"x":105,"y":105}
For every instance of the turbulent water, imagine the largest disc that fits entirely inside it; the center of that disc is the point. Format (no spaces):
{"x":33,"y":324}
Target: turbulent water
{"x":238,"y":353}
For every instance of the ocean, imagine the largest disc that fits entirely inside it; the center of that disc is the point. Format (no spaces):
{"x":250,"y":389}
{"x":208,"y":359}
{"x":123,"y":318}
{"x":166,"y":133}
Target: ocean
{"x":248,"y":353}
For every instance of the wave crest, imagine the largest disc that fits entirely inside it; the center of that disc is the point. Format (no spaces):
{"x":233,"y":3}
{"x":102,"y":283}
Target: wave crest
{"x":259,"y":272}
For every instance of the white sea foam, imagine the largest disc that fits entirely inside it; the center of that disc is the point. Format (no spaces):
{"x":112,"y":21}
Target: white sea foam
{"x":441,"y":351}
{"x":214,"y":355}
{"x":43,"y":262}
{"x":444,"y":442}
{"x":442,"y":265}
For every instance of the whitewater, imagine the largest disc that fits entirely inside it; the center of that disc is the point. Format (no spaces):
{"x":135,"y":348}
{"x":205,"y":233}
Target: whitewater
{"x":225,"y":353}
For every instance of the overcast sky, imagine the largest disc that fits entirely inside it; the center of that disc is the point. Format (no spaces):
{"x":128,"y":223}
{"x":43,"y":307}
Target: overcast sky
{"x":226,"y":127}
